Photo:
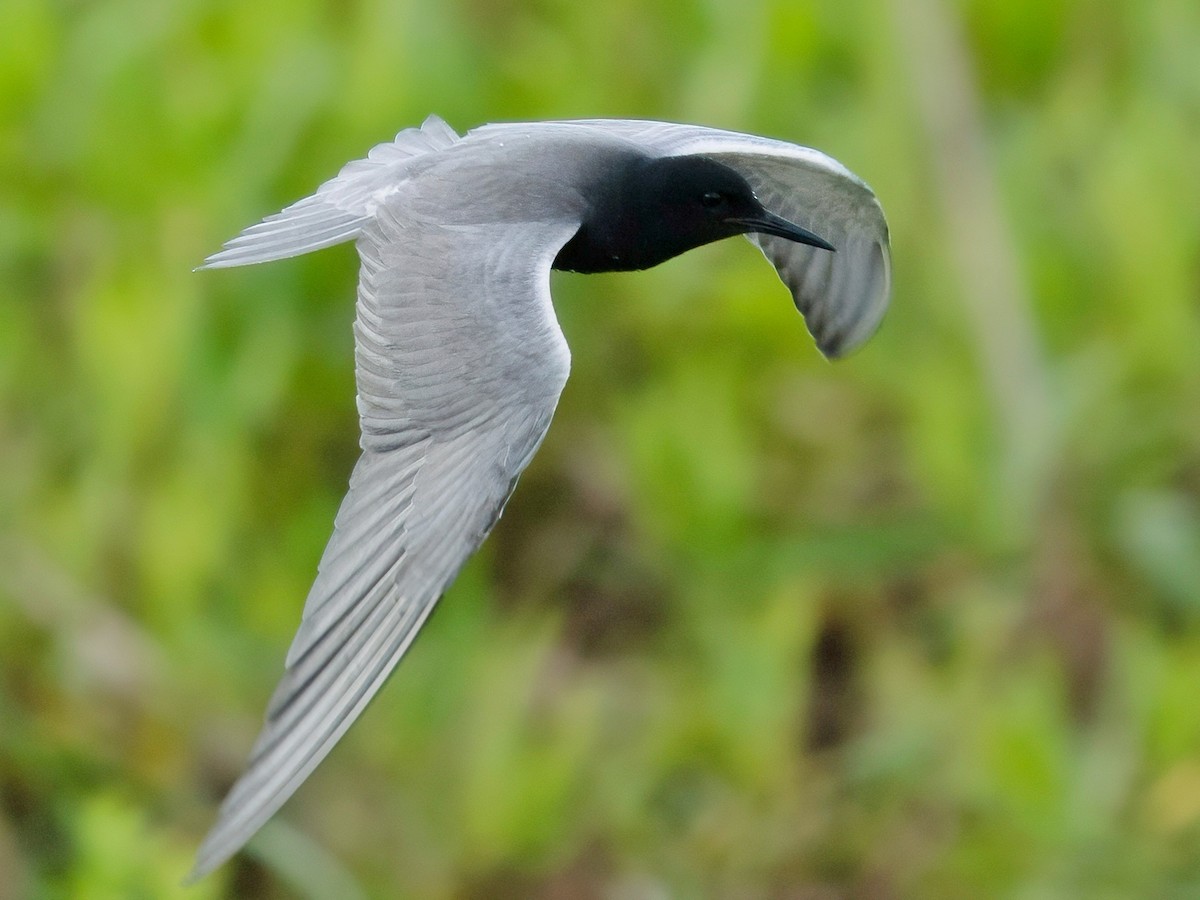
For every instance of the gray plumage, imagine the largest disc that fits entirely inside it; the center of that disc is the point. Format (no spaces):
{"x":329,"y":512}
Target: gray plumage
{"x":460,"y":362}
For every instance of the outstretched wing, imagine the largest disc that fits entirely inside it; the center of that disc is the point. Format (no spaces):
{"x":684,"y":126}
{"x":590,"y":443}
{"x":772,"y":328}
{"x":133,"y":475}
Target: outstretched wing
{"x":460,"y":363}
{"x":841,"y":295}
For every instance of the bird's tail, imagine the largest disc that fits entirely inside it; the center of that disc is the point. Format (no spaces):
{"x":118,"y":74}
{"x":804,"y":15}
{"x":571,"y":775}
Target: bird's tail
{"x":341,"y":206}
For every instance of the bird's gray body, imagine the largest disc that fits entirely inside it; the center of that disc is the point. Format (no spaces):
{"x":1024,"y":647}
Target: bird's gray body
{"x":460,"y":363}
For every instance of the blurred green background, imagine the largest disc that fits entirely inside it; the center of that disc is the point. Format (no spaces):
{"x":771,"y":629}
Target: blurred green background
{"x":923,"y":623}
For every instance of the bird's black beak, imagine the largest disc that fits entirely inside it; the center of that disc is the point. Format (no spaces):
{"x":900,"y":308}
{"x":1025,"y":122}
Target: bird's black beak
{"x":769,"y":223}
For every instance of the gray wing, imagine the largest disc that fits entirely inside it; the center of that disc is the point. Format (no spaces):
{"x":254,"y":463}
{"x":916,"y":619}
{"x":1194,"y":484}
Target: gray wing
{"x":460,"y":363}
{"x":841,"y":295}
{"x":844,"y":295}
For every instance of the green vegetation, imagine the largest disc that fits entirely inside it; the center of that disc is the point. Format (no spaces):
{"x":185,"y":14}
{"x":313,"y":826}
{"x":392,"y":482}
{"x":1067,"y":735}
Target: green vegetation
{"x":924,"y":623}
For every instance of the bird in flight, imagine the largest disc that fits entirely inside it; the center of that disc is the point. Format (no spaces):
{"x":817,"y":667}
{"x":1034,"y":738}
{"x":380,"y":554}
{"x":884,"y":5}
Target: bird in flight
{"x":460,"y":360}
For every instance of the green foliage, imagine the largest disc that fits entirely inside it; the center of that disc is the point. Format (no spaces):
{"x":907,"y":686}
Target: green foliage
{"x":924,"y":623}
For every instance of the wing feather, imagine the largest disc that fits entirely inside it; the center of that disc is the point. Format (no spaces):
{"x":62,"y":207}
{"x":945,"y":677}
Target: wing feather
{"x":455,"y":394}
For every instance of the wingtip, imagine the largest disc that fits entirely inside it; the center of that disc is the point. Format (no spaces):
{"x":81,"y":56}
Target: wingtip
{"x":198,"y":872}
{"x":832,"y":352}
{"x":843,"y":343}
{"x":847,"y":333}
{"x":217,"y":260}
{"x":838,"y":346}
{"x":209,"y":859}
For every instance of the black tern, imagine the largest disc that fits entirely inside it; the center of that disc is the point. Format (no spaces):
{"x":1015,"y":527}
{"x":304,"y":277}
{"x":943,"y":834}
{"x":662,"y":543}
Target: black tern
{"x":460,"y":360}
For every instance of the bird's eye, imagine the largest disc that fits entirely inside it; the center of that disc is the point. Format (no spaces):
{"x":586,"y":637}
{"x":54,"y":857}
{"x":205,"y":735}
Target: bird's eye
{"x":712,"y":198}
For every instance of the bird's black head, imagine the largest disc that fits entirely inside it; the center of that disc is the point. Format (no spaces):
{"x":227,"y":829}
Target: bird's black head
{"x":647,"y":210}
